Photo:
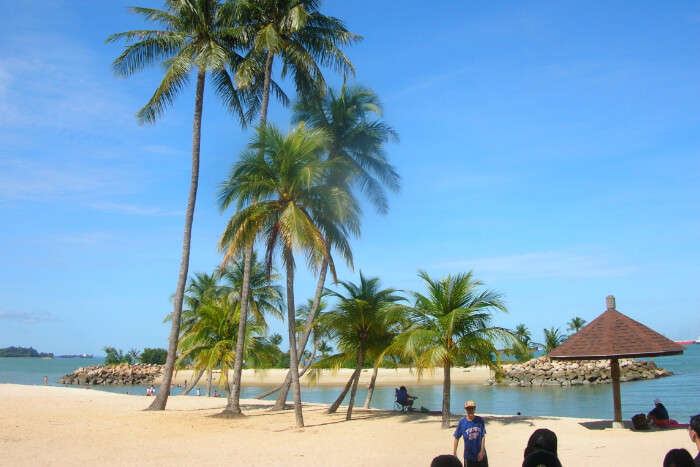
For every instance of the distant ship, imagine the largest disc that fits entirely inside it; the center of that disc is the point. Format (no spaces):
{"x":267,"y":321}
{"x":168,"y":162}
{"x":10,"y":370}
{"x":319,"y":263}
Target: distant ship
{"x":696,"y":341}
{"x":82,"y":355}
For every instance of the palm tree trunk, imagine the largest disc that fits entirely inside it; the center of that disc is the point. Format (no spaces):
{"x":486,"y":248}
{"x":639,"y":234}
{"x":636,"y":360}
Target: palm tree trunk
{"x":446,"y":382}
{"x":289,"y":376}
{"x":162,"y":396}
{"x":308,"y":327}
{"x":233,"y":404}
{"x":210,"y":376}
{"x":334,"y":406}
{"x":360,"y":364}
{"x":194,"y":382}
{"x":370,"y":387}
{"x":291,"y":322}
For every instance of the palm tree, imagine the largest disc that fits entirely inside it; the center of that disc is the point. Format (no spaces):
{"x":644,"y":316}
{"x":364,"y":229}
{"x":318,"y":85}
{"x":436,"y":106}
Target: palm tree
{"x":192,"y":35}
{"x":357,"y":136}
{"x":304,"y":39}
{"x":576,"y":324}
{"x":360,"y":323}
{"x":553,"y":338}
{"x":451,"y":323}
{"x":521,"y":349}
{"x":278,"y":185}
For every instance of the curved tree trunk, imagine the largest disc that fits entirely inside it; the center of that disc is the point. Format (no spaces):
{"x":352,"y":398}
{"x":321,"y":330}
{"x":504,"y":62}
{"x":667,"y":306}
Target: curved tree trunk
{"x":161,"y":398}
{"x":308,"y":327}
{"x":291,"y":323}
{"x":446,"y":382}
{"x":370,"y":387}
{"x":289,"y":376}
{"x":194,"y":382}
{"x":233,"y":406}
{"x":210,"y":375}
{"x":360,"y":364}
{"x":334,"y":406}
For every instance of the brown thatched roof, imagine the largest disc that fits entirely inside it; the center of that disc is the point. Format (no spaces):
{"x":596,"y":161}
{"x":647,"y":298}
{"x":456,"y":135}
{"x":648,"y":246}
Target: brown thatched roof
{"x":613,"y":334}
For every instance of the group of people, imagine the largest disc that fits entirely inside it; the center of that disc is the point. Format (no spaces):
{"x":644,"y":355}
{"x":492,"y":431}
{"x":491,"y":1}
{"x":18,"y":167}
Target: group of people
{"x":541,"y":449}
{"x":151,"y":390}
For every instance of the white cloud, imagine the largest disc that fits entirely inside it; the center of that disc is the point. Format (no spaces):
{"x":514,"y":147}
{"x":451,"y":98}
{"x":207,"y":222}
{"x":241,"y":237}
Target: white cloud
{"x":541,"y":265}
{"x":27,"y":317}
{"x":134,"y":209}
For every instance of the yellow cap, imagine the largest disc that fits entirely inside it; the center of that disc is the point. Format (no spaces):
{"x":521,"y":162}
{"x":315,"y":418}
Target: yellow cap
{"x":470,"y":404}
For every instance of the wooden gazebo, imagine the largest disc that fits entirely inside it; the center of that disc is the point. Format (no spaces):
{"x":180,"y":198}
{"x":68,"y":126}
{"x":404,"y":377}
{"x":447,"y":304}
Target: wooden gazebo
{"x":612,"y":336}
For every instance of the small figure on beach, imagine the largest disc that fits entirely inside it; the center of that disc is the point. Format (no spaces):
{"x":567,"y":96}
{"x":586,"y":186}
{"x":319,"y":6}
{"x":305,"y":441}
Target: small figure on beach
{"x":694,"y":432}
{"x":472,"y":428}
{"x":199,"y":393}
{"x":541,"y":449}
{"x":678,"y":458}
{"x":658,"y":415}
{"x":46,"y":380}
{"x":404,"y":399}
{"x":446,"y":460}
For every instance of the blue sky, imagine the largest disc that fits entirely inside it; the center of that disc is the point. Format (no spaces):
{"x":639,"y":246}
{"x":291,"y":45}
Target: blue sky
{"x":551,"y":147}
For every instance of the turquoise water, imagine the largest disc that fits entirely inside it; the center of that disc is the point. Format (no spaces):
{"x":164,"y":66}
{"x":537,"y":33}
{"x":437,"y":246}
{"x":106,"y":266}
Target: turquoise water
{"x":678,"y":392}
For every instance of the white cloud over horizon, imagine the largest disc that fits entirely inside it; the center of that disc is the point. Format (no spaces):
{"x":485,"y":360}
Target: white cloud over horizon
{"x":28,"y":317}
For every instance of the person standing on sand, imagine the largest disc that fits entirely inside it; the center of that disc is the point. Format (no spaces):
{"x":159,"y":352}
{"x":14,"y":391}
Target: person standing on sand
{"x":694,"y":432}
{"x":46,"y":380}
{"x":472,"y":428}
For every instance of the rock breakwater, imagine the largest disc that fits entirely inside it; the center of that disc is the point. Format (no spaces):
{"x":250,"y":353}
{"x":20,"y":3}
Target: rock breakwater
{"x":122,"y":374}
{"x":544,"y":372}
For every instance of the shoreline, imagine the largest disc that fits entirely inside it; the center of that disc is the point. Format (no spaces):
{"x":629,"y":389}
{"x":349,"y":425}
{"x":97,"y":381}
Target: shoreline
{"x":49,"y":425}
{"x":385,"y":377}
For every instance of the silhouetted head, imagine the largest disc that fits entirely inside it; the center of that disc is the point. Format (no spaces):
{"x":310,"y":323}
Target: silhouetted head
{"x":695,"y":427}
{"x":678,"y":458}
{"x":542,"y":439}
{"x":402,"y":388}
{"x":541,"y":457}
{"x":446,"y":460}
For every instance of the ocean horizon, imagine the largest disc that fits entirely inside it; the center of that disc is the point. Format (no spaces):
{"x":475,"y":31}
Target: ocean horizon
{"x":678,"y":392}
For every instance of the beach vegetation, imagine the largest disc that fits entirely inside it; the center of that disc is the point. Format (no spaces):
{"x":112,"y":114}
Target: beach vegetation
{"x":521,"y":350}
{"x":190,"y":38}
{"x":356,"y":135}
{"x":23,"y":352}
{"x":115,"y":356}
{"x":278,"y":185}
{"x":154,"y":356}
{"x":363,"y":323}
{"x":575,"y":324}
{"x":304,"y":40}
{"x":451,"y":322}
{"x":553,"y":338}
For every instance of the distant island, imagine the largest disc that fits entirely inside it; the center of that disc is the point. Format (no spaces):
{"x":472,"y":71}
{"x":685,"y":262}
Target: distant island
{"x":23,"y":352}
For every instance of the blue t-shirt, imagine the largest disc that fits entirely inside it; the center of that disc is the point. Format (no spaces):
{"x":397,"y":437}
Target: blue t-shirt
{"x":472,"y":431}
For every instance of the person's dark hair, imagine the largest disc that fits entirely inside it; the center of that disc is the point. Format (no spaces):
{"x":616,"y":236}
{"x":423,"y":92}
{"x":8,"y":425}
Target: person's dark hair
{"x":678,"y":458}
{"x":402,"y":388}
{"x":695,"y":424}
{"x":541,"y":457}
{"x":542,"y":439}
{"x":446,"y":460}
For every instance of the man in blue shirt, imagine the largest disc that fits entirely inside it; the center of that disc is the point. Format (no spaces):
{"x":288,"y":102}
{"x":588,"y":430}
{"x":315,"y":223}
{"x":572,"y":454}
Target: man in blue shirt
{"x":473,"y":430}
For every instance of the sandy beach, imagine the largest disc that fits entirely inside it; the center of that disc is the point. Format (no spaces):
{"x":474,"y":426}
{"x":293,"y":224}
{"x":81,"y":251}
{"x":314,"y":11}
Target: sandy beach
{"x":71,"y":426}
{"x":386,"y":377}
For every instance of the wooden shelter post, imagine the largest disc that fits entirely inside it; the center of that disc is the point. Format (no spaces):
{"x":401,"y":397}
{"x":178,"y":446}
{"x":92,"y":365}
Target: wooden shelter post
{"x":617,"y":404}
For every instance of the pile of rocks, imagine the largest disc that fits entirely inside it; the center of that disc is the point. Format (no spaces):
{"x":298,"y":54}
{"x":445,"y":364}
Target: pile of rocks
{"x":544,"y":372}
{"x":114,"y":374}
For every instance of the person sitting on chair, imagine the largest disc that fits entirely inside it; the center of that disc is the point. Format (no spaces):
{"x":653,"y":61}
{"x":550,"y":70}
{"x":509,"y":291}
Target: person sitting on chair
{"x":404,"y":398}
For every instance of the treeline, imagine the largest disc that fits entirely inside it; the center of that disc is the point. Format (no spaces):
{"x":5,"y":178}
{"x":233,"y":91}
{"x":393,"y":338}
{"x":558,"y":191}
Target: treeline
{"x":152,"y":356}
{"x":23,"y":352}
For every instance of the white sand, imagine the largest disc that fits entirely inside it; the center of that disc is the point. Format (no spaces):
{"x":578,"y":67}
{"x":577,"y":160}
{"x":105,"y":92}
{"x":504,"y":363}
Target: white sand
{"x":70,"y":426}
{"x":386,"y":377}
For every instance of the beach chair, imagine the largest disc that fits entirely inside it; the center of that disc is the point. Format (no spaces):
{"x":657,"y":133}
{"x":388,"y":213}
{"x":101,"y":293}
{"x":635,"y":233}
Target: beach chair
{"x":401,"y":403}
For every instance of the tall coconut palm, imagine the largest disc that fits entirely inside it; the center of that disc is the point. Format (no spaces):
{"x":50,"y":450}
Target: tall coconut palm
{"x":360,"y":322}
{"x":304,"y":40}
{"x":451,"y":323}
{"x":521,"y":348}
{"x":278,"y":186}
{"x":357,"y":135}
{"x":193,"y":37}
{"x":576,"y":324}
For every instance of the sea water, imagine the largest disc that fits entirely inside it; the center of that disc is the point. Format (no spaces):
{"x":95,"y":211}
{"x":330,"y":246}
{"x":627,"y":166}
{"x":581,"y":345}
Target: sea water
{"x":680,"y":393}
